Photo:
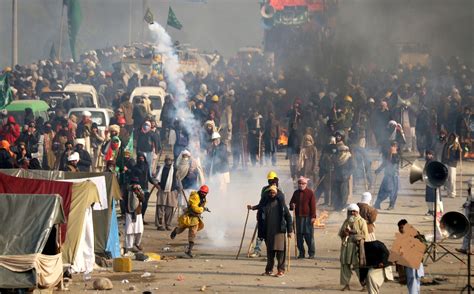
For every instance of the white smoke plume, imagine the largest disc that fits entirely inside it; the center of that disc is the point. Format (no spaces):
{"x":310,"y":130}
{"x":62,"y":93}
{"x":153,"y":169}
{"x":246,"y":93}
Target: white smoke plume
{"x":175,"y":83}
{"x":228,"y":206}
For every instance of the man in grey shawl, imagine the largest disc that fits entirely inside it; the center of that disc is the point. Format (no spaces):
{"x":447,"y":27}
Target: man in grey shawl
{"x":167,"y":196}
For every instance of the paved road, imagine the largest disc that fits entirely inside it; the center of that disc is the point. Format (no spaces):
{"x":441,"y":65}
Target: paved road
{"x":216,"y":267}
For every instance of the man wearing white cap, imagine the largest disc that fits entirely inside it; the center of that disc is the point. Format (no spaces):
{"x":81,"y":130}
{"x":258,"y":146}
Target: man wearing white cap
{"x":352,"y":233}
{"x":368,"y":213}
{"x":85,"y":160}
{"x":72,"y":161}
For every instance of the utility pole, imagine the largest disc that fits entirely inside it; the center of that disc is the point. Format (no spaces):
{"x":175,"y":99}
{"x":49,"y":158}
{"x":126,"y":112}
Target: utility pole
{"x":130,"y":23}
{"x":14,"y":33}
{"x":61,"y":25}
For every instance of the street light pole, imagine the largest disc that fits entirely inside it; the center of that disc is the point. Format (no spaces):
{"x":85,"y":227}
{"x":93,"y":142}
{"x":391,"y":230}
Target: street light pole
{"x":14,"y":33}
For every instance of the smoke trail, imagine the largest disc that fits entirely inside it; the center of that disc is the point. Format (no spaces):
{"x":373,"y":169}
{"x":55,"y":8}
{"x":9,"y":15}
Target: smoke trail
{"x":175,"y":83}
{"x":228,"y":207}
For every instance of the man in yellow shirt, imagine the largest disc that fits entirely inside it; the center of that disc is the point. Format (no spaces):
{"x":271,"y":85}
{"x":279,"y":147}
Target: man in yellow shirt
{"x":191,"y":219}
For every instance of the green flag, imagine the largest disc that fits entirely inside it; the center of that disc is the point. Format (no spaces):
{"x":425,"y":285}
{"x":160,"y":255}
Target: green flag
{"x":52,"y":52}
{"x":148,"y":16}
{"x":74,"y":19}
{"x":6,"y":94}
{"x":129,"y":146}
{"x":173,"y":20}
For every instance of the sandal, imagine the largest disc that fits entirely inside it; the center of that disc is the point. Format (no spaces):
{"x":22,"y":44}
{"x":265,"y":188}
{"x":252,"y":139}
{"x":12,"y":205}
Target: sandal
{"x":280,"y":274}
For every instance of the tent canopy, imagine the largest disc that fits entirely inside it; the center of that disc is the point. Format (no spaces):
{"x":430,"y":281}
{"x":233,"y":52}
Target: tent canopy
{"x":27,"y":221}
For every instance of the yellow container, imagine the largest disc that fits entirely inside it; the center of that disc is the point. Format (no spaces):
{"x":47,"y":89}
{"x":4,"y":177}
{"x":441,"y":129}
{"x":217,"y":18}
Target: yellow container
{"x":122,"y":264}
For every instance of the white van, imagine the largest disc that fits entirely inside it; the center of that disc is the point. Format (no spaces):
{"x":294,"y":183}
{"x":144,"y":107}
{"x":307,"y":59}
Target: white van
{"x":86,"y":95}
{"x":157,"y":97}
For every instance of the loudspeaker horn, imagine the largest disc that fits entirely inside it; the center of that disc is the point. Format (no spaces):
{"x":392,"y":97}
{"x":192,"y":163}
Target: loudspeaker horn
{"x":454,"y":225}
{"x":416,"y":174}
{"x":267,"y":11}
{"x":434,"y":174}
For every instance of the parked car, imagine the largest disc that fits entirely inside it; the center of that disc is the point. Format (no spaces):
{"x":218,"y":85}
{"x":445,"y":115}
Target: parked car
{"x":157,"y":97}
{"x":74,"y":95}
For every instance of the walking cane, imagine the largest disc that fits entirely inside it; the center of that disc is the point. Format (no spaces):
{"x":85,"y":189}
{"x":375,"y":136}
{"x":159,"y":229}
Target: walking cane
{"x":365,"y":175}
{"x":460,"y":178}
{"x":375,"y":183}
{"x":253,"y":239}
{"x":185,"y":198}
{"x":243,"y":234}
{"x":294,"y":230}
{"x":288,"y":254}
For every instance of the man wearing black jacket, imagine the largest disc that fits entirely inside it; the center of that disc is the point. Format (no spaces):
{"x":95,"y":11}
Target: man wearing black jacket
{"x":85,"y":161}
{"x":275,"y":223}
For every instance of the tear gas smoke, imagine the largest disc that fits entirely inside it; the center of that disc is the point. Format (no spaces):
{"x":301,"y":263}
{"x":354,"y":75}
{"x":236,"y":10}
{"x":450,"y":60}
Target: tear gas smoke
{"x":223,"y":226}
{"x":175,"y":83}
{"x":222,"y":219}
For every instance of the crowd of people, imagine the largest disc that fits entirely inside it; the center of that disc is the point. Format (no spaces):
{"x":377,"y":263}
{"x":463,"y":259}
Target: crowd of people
{"x":244,"y":111}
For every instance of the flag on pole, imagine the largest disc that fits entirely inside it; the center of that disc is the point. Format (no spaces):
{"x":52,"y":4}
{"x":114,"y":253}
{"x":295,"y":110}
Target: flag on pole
{"x":74,"y":19}
{"x":148,"y":16}
{"x":52,"y":52}
{"x":173,"y":20}
{"x":6,"y":94}
{"x":129,"y":146}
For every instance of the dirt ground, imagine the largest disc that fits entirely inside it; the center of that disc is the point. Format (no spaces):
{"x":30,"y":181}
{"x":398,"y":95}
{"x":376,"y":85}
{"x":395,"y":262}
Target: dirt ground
{"x":215,"y":268}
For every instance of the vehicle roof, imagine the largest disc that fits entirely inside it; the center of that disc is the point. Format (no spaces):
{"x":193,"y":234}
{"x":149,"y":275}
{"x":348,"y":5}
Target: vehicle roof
{"x":80,"y":88}
{"x":77,"y":109}
{"x":20,"y":105}
{"x":153,"y":91}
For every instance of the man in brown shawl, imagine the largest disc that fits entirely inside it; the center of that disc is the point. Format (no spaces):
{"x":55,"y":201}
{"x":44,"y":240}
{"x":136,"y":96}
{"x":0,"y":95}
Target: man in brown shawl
{"x":274,"y":223}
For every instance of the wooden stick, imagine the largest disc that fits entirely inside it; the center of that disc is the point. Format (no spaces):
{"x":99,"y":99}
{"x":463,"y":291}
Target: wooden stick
{"x":460,"y":178}
{"x":185,"y":198}
{"x":288,"y":255}
{"x":243,"y":234}
{"x":253,"y":239}
{"x":294,"y":231}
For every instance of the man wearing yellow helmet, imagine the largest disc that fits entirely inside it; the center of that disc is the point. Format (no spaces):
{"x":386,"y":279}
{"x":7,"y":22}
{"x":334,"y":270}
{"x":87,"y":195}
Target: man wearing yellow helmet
{"x":272,"y":179}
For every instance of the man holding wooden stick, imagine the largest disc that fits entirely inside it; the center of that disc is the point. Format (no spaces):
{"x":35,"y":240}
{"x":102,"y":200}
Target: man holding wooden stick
{"x":275,"y":224}
{"x":303,"y":203}
{"x":272,"y":179}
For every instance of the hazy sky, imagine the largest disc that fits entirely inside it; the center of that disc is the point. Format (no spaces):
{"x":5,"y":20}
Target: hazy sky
{"x":224,"y":25}
{"x":227,"y":25}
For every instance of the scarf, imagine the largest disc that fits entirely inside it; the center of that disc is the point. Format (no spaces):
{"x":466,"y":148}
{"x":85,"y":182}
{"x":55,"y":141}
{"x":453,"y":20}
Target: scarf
{"x":169,"y":180}
{"x":182,"y":167}
{"x":343,"y":158}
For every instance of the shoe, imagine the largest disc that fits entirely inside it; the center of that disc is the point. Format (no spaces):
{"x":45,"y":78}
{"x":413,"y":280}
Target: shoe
{"x":300,"y":257}
{"x":346,"y":288}
{"x":129,"y":253}
{"x":461,"y":250}
{"x":311,"y":257}
{"x":280,"y":274}
{"x":169,"y":229}
{"x":390,"y":208}
{"x":255,"y":255}
{"x":173,"y":234}
{"x":160,"y":228}
{"x":267,"y":274}
{"x":189,"y":252}
{"x":429,"y":213}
